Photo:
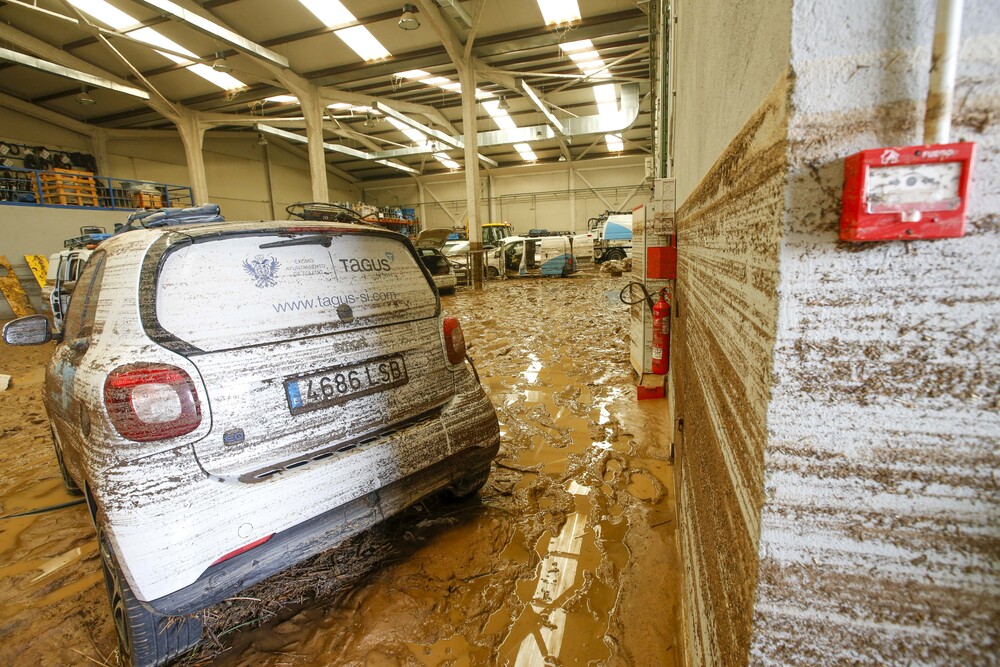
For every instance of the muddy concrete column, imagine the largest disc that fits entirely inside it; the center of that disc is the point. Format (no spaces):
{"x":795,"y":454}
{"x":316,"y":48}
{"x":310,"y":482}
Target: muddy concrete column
{"x":468,"y":80}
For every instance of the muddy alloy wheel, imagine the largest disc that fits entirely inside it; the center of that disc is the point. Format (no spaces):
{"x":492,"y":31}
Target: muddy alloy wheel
{"x":145,"y":639}
{"x":468,"y":486}
{"x":615,"y":255}
{"x":492,"y":273}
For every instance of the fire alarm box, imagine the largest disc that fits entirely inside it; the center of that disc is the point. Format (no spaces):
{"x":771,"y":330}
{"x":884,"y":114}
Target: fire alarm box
{"x":911,"y":192}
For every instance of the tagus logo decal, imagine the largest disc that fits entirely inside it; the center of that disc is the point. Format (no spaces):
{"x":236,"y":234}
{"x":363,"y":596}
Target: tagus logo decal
{"x":263,"y":270}
{"x":365,"y":264}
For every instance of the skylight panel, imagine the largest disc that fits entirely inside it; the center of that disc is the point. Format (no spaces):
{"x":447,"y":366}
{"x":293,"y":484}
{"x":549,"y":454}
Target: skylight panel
{"x":557,"y":12}
{"x":119,"y":20}
{"x":331,"y":12}
{"x":614,"y":142}
{"x":363,"y":43}
{"x":579,"y":45}
{"x":282,"y":99}
{"x":413,"y":134}
{"x":524,"y":150}
{"x":446,"y":161}
{"x":413,"y":74}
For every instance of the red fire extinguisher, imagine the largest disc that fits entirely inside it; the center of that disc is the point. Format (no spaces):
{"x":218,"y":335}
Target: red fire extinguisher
{"x":661,"y":336}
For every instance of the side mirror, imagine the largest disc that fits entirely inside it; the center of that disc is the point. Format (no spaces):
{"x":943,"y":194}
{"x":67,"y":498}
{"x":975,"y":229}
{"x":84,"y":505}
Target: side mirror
{"x":30,"y":330}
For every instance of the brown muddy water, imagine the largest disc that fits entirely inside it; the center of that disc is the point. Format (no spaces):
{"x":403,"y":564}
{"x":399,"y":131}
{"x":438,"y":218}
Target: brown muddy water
{"x":568,"y":556}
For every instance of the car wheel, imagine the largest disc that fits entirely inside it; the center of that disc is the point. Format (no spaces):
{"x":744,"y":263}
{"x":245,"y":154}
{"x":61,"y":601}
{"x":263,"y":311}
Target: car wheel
{"x":469,"y":485}
{"x":71,"y":487}
{"x":145,"y":639}
{"x":492,"y":272}
{"x":616,"y":255}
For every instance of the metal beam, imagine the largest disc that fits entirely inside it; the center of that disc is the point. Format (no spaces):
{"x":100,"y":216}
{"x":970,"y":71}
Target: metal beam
{"x":336,"y":148}
{"x":454,"y":142}
{"x":538,"y":104}
{"x":216,"y":31}
{"x":69,"y":73}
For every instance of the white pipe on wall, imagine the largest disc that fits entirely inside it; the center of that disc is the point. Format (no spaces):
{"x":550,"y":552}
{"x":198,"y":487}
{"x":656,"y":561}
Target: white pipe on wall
{"x":944,"y":64}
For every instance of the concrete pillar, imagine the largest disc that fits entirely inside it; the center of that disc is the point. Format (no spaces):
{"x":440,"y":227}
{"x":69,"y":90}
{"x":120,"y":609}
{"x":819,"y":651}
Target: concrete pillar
{"x":468,"y":80}
{"x":192,"y":136}
{"x":312,"y":109}
{"x":99,"y":147}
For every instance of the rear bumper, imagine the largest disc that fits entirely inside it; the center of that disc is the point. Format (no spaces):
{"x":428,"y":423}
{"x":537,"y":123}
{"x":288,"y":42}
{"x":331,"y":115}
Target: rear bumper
{"x":319,"y":534}
{"x":169,"y":522}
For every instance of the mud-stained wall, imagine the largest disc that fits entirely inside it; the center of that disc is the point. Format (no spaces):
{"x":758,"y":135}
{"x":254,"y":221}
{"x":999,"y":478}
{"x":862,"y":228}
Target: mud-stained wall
{"x":880,"y":535}
{"x":729,"y":231}
{"x":727,"y":57}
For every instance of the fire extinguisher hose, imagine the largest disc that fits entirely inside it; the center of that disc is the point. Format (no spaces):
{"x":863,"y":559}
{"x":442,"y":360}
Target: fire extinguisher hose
{"x":645,"y":296}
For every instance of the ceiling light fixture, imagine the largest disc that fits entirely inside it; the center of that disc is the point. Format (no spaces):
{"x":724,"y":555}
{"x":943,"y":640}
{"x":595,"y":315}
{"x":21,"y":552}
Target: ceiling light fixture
{"x":220,"y":64}
{"x":85,"y":98}
{"x":408,"y":21}
{"x":503,"y":104}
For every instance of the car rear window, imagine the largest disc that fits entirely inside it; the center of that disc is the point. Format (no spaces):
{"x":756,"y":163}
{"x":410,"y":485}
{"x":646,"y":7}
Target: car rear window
{"x":242,"y":290}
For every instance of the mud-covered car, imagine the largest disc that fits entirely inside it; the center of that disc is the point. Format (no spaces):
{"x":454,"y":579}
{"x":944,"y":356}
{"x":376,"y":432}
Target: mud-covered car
{"x":429,"y":244}
{"x":234,"y":398}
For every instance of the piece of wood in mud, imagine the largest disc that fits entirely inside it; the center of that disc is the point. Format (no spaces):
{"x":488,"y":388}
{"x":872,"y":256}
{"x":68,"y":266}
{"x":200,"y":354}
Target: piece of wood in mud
{"x":11,"y":288}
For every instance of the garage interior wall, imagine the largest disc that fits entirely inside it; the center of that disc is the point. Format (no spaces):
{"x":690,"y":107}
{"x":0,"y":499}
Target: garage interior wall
{"x":839,"y":401}
{"x":612,"y":183}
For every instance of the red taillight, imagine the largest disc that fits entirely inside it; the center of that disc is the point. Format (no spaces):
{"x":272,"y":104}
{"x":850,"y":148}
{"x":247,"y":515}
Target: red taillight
{"x":151,"y":402}
{"x":248,"y":547}
{"x":454,"y":340}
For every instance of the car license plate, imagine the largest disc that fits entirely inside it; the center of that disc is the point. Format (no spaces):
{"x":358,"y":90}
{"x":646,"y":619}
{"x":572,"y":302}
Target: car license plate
{"x":343,"y":383}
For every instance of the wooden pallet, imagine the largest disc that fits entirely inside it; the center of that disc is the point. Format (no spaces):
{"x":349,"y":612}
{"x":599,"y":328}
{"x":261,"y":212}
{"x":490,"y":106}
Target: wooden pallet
{"x":69,"y":188}
{"x":147,"y":200}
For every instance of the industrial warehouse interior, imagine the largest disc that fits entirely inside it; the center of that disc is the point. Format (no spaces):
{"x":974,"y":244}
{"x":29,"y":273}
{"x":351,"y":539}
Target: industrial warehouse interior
{"x":499,"y":332}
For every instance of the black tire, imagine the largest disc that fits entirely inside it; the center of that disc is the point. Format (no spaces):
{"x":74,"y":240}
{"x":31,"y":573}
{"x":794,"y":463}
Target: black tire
{"x":145,"y":639}
{"x":614,"y":255}
{"x":492,"y":273}
{"x":469,"y":485}
{"x":71,"y":486}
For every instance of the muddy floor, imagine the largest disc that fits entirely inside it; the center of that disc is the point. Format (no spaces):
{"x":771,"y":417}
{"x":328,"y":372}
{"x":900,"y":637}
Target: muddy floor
{"x":567,"y":557}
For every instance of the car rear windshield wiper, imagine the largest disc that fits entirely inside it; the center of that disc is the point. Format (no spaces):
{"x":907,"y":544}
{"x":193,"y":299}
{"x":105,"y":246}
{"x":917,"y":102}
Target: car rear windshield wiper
{"x":315,"y":239}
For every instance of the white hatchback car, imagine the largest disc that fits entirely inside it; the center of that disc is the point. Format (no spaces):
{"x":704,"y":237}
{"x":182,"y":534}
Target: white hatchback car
{"x":233,"y":398}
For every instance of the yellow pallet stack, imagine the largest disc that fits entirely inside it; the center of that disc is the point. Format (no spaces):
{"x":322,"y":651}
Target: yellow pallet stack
{"x":69,"y":187}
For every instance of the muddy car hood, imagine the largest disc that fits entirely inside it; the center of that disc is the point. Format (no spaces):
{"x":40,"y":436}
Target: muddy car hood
{"x":433,"y":238}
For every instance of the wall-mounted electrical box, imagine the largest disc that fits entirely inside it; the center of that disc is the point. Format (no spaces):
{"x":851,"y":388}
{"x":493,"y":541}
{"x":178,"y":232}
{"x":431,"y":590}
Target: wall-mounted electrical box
{"x":906,"y":192}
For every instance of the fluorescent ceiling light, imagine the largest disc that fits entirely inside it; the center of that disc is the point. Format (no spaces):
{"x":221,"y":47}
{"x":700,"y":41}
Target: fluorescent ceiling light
{"x":333,"y":13}
{"x":556,"y":12}
{"x":122,"y":22}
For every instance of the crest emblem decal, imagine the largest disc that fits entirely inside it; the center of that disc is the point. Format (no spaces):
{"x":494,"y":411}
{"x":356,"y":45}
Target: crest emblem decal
{"x":263,"y":270}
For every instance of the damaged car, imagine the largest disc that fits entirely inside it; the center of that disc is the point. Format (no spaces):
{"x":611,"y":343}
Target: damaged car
{"x":233,"y":398}
{"x":429,"y":245}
